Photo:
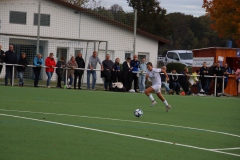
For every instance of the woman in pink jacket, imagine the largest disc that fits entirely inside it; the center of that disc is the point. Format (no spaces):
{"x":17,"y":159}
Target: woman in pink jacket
{"x":238,"y":78}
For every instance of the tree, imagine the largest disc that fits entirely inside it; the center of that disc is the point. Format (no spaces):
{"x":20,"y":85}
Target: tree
{"x":103,"y":12}
{"x":225,"y":15}
{"x":90,"y":4}
{"x":151,"y":17}
{"x":118,"y":13}
{"x":116,"y":8}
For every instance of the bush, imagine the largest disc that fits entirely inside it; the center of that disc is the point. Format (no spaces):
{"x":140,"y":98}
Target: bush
{"x":177,"y":66}
{"x":189,"y":69}
{"x":121,"y":66}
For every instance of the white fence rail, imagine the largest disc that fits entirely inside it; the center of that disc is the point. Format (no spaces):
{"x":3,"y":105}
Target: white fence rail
{"x":15,"y":65}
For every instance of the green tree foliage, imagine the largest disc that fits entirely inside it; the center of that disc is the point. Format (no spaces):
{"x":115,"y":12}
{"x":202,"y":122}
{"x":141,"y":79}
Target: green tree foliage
{"x":92,"y":4}
{"x":177,"y":66}
{"x":151,"y":17}
{"x":192,"y":32}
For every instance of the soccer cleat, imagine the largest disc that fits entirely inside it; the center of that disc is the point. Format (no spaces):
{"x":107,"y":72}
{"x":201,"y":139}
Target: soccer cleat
{"x":167,"y":108}
{"x":153,"y":103}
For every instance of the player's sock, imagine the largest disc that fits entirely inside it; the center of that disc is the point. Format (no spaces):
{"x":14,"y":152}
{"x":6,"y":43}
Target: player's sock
{"x":151,"y":97}
{"x":165,"y":102}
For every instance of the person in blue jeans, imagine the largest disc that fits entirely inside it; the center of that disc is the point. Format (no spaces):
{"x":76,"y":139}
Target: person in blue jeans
{"x":134,"y":63}
{"x":93,"y":60}
{"x":164,"y":81}
{"x":22,"y":61}
{"x":142,"y":75}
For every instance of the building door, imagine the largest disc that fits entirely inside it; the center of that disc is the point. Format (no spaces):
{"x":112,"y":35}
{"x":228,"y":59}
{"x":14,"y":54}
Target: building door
{"x":142,"y":55}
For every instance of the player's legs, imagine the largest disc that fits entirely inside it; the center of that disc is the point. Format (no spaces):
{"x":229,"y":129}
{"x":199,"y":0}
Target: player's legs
{"x":148,"y":92}
{"x":160,"y":96}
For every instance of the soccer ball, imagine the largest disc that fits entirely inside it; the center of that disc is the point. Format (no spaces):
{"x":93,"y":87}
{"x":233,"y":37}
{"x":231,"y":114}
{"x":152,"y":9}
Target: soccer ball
{"x":138,"y":113}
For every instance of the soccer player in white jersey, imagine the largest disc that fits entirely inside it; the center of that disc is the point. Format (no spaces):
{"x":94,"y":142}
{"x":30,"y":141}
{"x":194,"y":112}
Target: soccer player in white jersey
{"x":153,"y":74}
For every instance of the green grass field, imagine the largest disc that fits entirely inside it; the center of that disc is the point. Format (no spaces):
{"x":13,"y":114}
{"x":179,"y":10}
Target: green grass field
{"x":41,"y":123}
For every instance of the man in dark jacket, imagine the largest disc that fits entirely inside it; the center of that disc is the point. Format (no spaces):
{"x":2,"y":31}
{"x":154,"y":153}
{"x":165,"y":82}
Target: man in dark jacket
{"x":21,"y":69}
{"x":127,"y":74}
{"x":60,"y":65}
{"x":2,"y":57}
{"x":183,"y":80}
{"x":134,"y":66}
{"x":204,"y":80}
{"x":107,"y":72}
{"x":210,"y":73}
{"x":173,"y":82}
{"x":10,"y":58}
{"x":227,"y":71}
{"x":219,"y":71}
{"x":78,"y":73}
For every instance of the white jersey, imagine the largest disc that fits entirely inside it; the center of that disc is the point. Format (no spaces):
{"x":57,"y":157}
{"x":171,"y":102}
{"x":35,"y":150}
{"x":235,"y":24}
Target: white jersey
{"x":154,"y":76}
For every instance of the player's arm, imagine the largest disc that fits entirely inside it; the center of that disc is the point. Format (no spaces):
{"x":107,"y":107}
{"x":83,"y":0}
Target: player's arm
{"x":146,"y":77}
{"x":165,"y":73}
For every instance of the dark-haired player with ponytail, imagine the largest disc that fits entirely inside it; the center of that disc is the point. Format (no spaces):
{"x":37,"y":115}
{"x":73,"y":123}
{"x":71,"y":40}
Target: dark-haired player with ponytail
{"x":153,"y":74}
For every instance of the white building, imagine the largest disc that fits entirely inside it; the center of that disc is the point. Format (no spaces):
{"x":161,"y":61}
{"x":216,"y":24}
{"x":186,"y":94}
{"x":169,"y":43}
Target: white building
{"x":67,"y":29}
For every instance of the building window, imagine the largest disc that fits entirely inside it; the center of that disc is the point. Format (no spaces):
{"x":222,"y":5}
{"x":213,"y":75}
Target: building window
{"x":77,"y":51}
{"x":44,"y":19}
{"x":62,"y":52}
{"x":127,"y":55}
{"x":140,"y":57}
{"x":18,"y":17}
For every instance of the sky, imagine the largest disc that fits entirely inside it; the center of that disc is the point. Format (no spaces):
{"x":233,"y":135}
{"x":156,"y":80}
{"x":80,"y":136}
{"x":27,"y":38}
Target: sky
{"x":190,"y":7}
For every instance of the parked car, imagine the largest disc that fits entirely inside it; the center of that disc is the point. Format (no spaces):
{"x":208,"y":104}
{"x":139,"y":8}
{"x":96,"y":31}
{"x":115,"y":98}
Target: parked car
{"x":179,"y":56}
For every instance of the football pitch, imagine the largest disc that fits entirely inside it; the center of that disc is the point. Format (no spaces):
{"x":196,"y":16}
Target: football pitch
{"x":41,"y":123}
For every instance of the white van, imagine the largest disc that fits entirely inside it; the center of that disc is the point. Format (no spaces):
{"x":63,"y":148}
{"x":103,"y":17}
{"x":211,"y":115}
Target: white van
{"x":179,"y":56}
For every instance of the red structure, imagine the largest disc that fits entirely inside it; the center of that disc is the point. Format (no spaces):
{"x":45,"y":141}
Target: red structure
{"x":228,"y":55}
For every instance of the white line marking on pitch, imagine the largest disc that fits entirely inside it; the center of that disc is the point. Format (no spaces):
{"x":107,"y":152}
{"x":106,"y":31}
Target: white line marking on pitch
{"x":222,"y":149}
{"x":120,"y":134}
{"x":205,"y":130}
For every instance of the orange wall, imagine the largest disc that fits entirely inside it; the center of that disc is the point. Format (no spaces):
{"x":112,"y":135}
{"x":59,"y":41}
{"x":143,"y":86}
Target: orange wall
{"x":225,"y":53}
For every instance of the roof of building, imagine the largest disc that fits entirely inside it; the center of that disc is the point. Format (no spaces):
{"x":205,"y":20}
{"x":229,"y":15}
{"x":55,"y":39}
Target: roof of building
{"x":215,"y":48}
{"x":113,"y":22}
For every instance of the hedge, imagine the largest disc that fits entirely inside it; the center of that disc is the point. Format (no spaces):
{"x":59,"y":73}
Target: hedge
{"x":177,"y":66}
